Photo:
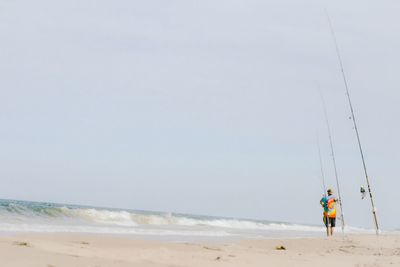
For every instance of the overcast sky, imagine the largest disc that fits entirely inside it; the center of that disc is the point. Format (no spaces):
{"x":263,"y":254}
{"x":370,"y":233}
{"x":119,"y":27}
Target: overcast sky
{"x":205,"y":107}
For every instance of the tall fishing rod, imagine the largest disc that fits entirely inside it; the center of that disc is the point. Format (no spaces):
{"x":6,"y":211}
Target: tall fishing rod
{"x":354,"y":121}
{"x":333,"y":159}
{"x":321,"y":167}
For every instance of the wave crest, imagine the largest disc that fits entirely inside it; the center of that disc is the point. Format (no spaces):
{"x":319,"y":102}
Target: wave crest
{"x":95,"y":216}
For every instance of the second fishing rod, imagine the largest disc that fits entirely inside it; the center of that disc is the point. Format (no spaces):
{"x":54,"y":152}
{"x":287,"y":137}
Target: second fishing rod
{"x":328,"y":126}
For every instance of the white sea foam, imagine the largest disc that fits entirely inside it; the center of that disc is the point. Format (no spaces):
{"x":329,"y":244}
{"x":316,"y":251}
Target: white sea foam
{"x":119,"y":218}
{"x":43,"y":228}
{"x":125,"y":218}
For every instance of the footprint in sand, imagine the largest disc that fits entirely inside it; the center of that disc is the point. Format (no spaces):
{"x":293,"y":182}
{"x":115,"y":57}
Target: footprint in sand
{"x":344,"y":250}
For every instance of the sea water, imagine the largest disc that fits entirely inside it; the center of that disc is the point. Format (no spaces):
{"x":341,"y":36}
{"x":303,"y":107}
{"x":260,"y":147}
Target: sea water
{"x":25,"y":216}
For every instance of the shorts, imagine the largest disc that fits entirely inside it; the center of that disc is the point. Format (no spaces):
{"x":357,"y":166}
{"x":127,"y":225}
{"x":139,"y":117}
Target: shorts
{"x":332,"y":222}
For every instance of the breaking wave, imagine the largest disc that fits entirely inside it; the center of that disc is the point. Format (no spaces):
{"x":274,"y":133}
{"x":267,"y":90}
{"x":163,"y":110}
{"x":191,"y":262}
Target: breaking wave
{"x":22,"y":216}
{"x":99,"y":216}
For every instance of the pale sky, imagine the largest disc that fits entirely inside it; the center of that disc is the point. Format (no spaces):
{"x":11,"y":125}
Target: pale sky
{"x":204,"y":107}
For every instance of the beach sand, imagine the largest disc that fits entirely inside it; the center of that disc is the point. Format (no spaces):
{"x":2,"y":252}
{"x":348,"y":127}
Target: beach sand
{"x":73,"y":250}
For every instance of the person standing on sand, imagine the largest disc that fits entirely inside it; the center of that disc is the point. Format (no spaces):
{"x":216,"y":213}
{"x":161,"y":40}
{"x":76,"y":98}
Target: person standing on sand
{"x":329,"y":204}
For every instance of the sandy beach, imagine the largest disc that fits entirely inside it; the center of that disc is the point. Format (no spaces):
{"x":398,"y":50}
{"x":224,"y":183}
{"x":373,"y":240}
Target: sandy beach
{"x":55,"y":250}
{"x":199,"y":133}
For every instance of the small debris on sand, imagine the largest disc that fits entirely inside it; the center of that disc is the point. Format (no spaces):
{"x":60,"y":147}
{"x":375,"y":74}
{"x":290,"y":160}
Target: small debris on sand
{"x":215,"y":249}
{"x":22,"y":244}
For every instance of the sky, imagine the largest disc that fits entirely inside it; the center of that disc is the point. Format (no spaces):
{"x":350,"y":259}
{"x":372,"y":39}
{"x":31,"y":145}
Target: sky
{"x":202,"y":107}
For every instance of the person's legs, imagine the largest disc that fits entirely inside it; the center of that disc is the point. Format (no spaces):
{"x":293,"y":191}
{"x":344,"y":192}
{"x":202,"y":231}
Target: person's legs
{"x":332,"y":224}
{"x":328,"y":225}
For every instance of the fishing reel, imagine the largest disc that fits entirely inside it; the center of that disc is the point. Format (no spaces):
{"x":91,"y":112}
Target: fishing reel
{"x":363,"y":192}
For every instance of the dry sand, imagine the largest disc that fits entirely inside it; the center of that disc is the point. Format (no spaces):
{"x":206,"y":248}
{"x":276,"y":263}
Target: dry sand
{"x":57,"y":250}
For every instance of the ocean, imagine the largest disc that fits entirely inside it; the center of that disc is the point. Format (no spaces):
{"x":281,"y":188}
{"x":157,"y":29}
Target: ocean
{"x":24,"y":216}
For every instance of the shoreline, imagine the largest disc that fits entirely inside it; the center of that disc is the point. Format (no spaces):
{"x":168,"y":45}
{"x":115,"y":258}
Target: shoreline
{"x":76,"y":249}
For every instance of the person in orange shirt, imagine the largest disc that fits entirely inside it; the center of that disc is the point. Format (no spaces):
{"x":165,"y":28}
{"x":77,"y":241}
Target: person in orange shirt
{"x":329,"y":204}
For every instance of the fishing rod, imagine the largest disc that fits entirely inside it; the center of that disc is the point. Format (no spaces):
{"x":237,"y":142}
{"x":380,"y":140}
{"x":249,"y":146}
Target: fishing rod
{"x":321,"y":167}
{"x":323,"y":182}
{"x":354,"y":121}
{"x":333,"y":159}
